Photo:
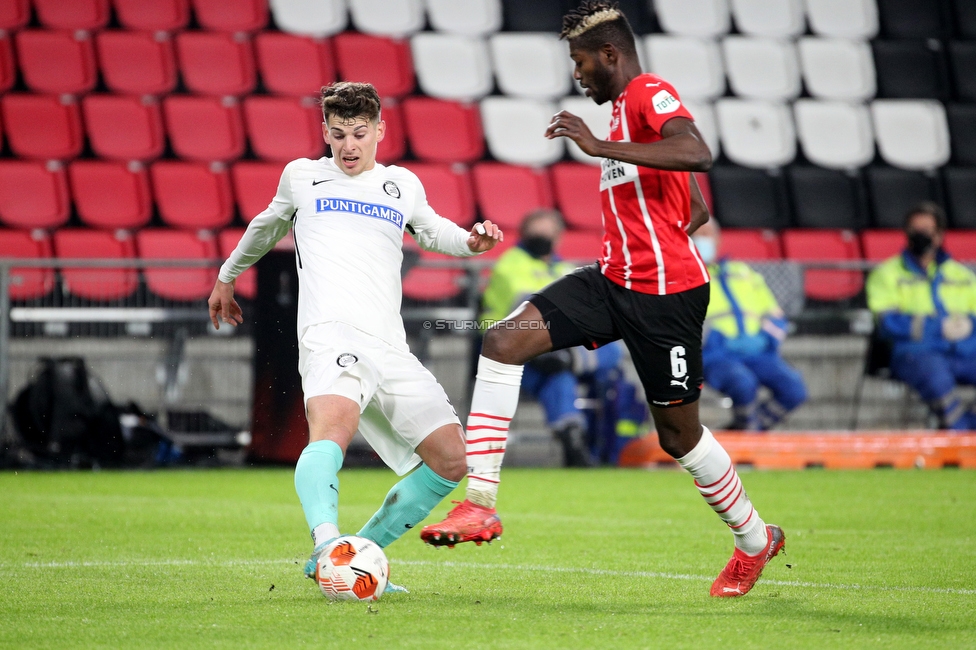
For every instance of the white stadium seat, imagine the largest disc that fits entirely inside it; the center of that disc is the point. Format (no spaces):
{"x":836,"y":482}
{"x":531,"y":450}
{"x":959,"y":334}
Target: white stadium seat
{"x":536,"y":66}
{"x":692,"y":65}
{"x":837,"y":68}
{"x":694,"y":17}
{"x":843,"y":18}
{"x":756,"y":133}
{"x":388,"y":17}
{"x":761,"y":68}
{"x":834,"y":134}
{"x":515,"y":128}
{"x":704,"y":115}
{"x":310,"y":17}
{"x":911,"y":133}
{"x":450,"y":66}
{"x":596,"y":117}
{"x":769,"y":17}
{"x":467,"y":17}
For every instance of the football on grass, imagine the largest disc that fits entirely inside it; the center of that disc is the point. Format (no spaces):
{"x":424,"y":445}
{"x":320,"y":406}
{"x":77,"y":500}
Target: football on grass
{"x":352,"y":568}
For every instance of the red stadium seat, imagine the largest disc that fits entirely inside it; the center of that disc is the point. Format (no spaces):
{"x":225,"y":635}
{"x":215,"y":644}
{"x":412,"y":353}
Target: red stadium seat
{"x":879,"y":245}
{"x":8,"y":68}
{"x":386,"y":63}
{"x":43,"y":126}
{"x":443,"y":131}
{"x":247,"y":282}
{"x":178,"y":284}
{"x":231,"y":15}
{"x":448,"y":190}
{"x":577,"y":189}
{"x":124,"y":127}
{"x":961,"y":244}
{"x":56,"y":61}
{"x":581,"y":246}
{"x":216,"y":63}
{"x":142,"y":63}
{"x":506,"y":193}
{"x":76,"y":14}
{"x":433,"y":285}
{"x":749,"y":244}
{"x":14,"y":14}
{"x":204,"y":128}
{"x":90,"y":283}
{"x":394,"y":144}
{"x":33,"y":194}
{"x":255,"y":184}
{"x":111,"y":194}
{"x":27,"y":283}
{"x":165,"y":15}
{"x":294,"y":65}
{"x":823,"y":245}
{"x":192,"y":195}
{"x":284,"y":128}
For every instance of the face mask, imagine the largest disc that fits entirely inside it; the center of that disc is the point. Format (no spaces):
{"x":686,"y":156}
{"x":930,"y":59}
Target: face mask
{"x":537,"y":246}
{"x":706,"y":248}
{"x":919,"y":243}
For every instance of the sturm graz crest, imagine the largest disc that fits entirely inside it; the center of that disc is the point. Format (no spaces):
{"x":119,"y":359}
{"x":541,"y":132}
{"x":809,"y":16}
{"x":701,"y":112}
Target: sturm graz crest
{"x":391,"y":188}
{"x":345,"y":359}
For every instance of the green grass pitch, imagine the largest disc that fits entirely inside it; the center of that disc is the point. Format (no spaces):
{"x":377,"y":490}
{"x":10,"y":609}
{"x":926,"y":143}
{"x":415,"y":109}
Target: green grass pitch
{"x":590,"y":559}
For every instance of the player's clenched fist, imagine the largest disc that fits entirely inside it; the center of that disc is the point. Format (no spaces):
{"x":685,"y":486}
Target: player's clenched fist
{"x":484,"y":236}
{"x":223,"y":307}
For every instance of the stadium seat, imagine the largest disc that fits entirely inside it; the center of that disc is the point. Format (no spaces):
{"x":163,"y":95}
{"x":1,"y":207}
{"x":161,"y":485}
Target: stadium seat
{"x":507,"y":193}
{"x":42,"y":126}
{"x":192,"y":195}
{"x":825,"y":246}
{"x":962,"y":131}
{"x":204,"y":128}
{"x":756,"y":133}
{"x":775,"y":18}
{"x":124,"y":127}
{"x":692,"y":65}
{"x":893,"y":191}
{"x":694,"y":17}
{"x":466,"y":17}
{"x":761,"y":68}
{"x":397,"y":18}
{"x":834,"y":134}
{"x":879,"y":245}
{"x":443,"y":131}
{"x":56,"y":61}
{"x":433,"y":284}
{"x":92,"y":283}
{"x":577,"y":191}
{"x":911,"y":19}
{"x":27,"y":283}
{"x":284,"y":128}
{"x":246,"y":284}
{"x":137,"y":62}
{"x":255,"y":184}
{"x":963,"y":57}
{"x":310,"y":17}
{"x":394,"y":144}
{"x":825,"y":198}
{"x":514,"y":130}
{"x":964,"y":18}
{"x":77,"y":14}
{"x":533,"y":15}
{"x":159,"y":15}
{"x":8,"y":67}
{"x":15,"y":14}
{"x":383,"y":62}
{"x":961,"y":196}
{"x":911,"y":134}
{"x":915,"y":69}
{"x":749,"y":198}
{"x":854,"y":19}
{"x":216,"y":63}
{"x":294,"y":65}
{"x":961,"y":244}
{"x":33,"y":194}
{"x":750,"y":244}
{"x":451,"y":66}
{"x":111,"y":194}
{"x":536,"y":66}
{"x":837,"y":68}
{"x":178,"y":284}
{"x":581,"y":246}
{"x":596,"y":117}
{"x":448,"y":189}
{"x":231,"y":15}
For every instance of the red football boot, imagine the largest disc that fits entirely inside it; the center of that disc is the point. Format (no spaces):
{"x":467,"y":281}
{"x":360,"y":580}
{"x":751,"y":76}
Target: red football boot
{"x":467,"y":522}
{"x":742,"y":571}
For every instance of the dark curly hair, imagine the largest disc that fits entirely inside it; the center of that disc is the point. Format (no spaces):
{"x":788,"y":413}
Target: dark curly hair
{"x":597,"y":22}
{"x":348,"y":100}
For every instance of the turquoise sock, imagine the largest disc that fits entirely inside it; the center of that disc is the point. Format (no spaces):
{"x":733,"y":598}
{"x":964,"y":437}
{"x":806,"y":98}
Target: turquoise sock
{"x":317,"y":482}
{"x":406,"y":505}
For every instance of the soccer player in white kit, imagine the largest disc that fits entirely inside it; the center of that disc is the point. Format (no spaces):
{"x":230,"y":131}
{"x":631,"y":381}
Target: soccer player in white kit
{"x":348,"y":215}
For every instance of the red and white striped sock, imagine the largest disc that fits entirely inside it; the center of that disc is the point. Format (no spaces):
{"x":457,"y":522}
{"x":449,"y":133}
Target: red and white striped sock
{"x":496,"y":393}
{"x":719,"y":484}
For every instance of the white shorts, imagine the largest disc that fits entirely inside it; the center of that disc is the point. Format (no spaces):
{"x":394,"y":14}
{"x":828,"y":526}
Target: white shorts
{"x":400,"y":402}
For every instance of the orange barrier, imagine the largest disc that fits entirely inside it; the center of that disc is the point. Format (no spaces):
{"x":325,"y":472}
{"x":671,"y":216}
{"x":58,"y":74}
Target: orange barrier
{"x":832,"y":450}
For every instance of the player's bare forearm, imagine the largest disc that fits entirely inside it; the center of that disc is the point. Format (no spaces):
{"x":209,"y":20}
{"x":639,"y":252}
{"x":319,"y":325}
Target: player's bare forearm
{"x":223,"y":306}
{"x":699,"y":209}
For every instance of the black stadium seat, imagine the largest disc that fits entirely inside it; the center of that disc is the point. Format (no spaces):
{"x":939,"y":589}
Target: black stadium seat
{"x":964,"y":18}
{"x":826,"y":198}
{"x":962,"y":55}
{"x":915,"y":69}
{"x":533,"y":15}
{"x":962,"y":130}
{"x":913,"y":18}
{"x":894,"y":191}
{"x":961,"y":196}
{"x":749,"y":198}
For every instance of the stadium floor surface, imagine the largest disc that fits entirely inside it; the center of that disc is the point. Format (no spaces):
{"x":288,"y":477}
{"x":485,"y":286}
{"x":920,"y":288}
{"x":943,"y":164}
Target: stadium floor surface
{"x":600,"y":558}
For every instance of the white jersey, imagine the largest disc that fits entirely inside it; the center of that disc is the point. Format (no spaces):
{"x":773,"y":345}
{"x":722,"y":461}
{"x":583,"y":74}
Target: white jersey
{"x":348,"y":242}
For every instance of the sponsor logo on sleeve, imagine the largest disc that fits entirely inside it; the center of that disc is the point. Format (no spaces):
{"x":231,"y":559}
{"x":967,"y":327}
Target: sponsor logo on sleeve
{"x":664,"y":102}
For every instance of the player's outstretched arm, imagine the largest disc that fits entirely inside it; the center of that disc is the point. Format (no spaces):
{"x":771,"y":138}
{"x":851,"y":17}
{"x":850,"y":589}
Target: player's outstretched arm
{"x":223,"y":306}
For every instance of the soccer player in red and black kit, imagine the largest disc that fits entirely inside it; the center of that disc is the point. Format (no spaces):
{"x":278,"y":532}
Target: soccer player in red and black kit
{"x":649,"y":288}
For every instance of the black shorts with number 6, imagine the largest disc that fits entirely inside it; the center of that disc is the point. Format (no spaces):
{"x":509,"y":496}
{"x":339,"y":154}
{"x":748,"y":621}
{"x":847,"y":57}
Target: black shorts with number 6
{"x":663,"y":333}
